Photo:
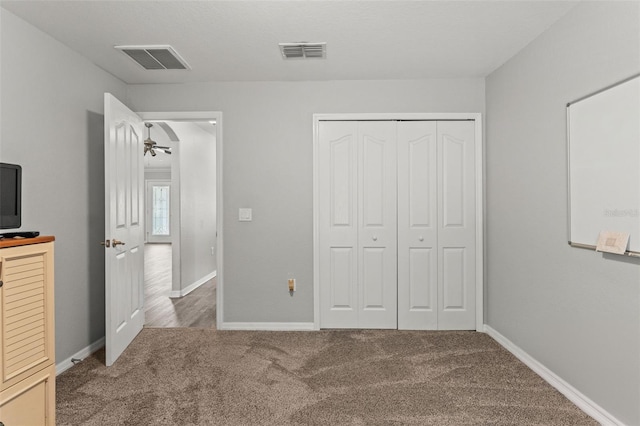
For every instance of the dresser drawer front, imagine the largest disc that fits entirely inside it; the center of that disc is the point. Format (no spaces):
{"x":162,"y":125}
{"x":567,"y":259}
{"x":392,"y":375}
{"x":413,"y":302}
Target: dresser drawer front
{"x":30,"y":402}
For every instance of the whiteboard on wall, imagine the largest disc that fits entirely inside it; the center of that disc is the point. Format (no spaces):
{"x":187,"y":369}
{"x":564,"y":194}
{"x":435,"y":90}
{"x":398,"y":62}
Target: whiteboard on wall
{"x":603,"y":132}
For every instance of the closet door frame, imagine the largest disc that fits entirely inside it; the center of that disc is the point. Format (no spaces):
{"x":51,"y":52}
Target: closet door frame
{"x":479,"y":194}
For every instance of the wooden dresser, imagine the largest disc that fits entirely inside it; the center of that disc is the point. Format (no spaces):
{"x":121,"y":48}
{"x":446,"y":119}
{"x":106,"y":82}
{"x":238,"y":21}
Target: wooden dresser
{"x":27,"y":355}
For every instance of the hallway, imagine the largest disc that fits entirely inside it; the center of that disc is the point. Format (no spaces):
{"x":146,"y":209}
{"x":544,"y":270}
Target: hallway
{"x":196,"y":309}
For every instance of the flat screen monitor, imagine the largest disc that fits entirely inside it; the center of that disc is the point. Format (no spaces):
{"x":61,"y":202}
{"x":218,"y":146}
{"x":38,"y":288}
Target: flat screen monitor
{"x":10,"y":196}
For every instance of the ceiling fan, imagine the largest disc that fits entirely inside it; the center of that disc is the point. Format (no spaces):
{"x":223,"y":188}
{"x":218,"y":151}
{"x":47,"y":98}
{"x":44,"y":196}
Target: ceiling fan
{"x":151,"y":146}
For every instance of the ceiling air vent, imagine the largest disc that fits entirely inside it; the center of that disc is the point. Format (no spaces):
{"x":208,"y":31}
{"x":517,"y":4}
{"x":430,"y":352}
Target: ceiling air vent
{"x":303,"y":50}
{"x":162,"y":57}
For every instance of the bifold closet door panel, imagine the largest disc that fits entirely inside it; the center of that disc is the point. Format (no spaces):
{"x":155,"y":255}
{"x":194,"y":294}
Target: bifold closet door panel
{"x":456,"y":225}
{"x":417,"y":226}
{"x":357,"y":224}
{"x":377,"y":234}
{"x":338,"y":223}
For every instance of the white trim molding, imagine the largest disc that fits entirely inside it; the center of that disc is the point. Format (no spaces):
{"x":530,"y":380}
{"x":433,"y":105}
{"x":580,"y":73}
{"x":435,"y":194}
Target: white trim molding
{"x":574,"y":395}
{"x":193,"y":286}
{"x":267,"y":326}
{"x":63,"y":366}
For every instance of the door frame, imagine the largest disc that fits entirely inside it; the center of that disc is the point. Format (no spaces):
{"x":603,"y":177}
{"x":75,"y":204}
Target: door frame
{"x":479,"y":186}
{"x":217,"y":117}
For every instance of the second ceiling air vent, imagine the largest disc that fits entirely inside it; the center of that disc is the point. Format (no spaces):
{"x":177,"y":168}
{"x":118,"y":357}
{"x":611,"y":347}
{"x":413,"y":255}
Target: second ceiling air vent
{"x":160,"y":57}
{"x":303,"y":50}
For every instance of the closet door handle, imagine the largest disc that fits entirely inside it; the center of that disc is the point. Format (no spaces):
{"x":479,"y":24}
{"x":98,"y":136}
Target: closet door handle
{"x":421,"y":238}
{"x":375,"y":238}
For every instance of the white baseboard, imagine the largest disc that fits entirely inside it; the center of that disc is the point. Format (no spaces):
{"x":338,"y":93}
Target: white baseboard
{"x":267,"y":326}
{"x":572,"y":394}
{"x":177,"y":294}
{"x":63,"y":366}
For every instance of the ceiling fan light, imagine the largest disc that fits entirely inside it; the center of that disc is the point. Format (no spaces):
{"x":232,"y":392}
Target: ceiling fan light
{"x":150,"y":145}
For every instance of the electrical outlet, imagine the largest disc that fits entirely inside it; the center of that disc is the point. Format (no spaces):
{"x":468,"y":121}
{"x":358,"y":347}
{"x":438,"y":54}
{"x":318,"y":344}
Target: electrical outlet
{"x":292,"y":284}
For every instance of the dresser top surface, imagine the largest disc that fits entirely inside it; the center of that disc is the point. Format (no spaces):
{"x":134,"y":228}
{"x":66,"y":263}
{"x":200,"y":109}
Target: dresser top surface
{"x":15,"y":242}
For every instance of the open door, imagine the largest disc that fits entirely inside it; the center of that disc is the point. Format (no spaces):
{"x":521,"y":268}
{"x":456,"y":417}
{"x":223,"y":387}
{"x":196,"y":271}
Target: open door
{"x":124,"y":226}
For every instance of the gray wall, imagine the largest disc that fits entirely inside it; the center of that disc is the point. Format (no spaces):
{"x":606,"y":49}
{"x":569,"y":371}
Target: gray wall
{"x":52,"y":124}
{"x":268,"y":162}
{"x":197,"y":203}
{"x":574,"y":310}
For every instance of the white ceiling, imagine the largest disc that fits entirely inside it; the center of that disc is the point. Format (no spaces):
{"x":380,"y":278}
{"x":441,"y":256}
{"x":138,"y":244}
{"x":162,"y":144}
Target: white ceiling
{"x":238,"y":40}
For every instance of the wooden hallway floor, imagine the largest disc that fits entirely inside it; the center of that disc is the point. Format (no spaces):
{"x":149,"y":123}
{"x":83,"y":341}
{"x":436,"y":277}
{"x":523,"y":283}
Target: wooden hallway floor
{"x":196,"y":309}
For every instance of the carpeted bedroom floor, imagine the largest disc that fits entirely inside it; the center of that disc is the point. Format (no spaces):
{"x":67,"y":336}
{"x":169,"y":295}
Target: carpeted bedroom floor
{"x":373,"y":377}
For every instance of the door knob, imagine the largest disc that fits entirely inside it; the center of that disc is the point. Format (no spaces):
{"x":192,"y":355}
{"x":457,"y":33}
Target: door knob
{"x":375,"y":238}
{"x":106,"y":243}
{"x":421,"y":238}
{"x":115,"y":243}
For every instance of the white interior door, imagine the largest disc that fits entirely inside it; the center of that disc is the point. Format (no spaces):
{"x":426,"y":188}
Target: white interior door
{"x":436,"y":225}
{"x":456,"y":226}
{"x":417,"y":226}
{"x":124,"y":227}
{"x":357,"y":224}
{"x":397,"y":224}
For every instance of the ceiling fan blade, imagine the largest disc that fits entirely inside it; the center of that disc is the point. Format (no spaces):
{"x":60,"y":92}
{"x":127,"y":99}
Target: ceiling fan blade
{"x":162,"y":147}
{"x":166,"y":151}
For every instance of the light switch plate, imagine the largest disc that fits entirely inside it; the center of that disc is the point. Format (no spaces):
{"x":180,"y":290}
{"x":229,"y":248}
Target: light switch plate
{"x":245,"y":215}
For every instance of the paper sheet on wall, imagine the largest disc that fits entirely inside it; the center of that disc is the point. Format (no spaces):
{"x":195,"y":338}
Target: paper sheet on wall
{"x":612,"y":242}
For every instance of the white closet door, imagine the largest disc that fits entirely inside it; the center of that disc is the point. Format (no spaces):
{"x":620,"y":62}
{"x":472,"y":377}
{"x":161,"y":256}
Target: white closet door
{"x":417,"y":226}
{"x":397,"y":224}
{"x":337,"y":222}
{"x":436,"y":225}
{"x":457,"y":225}
{"x":357,"y":224}
{"x":377,"y":236}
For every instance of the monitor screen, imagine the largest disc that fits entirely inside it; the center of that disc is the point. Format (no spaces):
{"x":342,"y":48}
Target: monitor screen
{"x":10,"y":195}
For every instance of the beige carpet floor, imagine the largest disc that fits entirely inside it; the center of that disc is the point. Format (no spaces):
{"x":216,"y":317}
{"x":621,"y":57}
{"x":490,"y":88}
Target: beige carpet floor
{"x":209,"y":377}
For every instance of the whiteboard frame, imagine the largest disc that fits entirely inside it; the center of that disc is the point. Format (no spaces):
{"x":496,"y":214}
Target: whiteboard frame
{"x":568,"y":136}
